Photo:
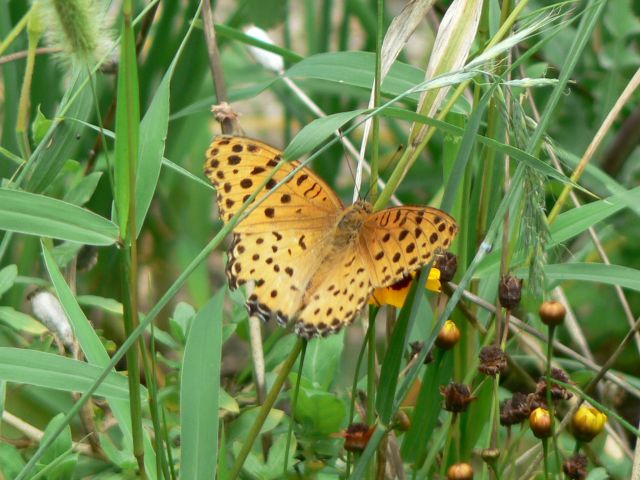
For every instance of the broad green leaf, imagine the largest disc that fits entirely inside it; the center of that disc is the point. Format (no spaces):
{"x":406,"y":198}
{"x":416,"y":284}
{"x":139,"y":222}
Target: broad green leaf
{"x":32,"y":367}
{"x":58,"y":462}
{"x":40,"y":126}
{"x":319,"y":412}
{"x":7,"y":276}
{"x":82,"y":192}
{"x":11,"y":461}
{"x":242,"y":424}
{"x":200,"y":390}
{"x":321,"y":360}
{"x":35,"y":214}
{"x":316,"y":132}
{"x":21,"y":321}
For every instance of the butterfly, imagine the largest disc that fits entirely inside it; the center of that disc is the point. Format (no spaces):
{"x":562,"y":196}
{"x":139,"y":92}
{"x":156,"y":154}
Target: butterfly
{"x":313,"y":261}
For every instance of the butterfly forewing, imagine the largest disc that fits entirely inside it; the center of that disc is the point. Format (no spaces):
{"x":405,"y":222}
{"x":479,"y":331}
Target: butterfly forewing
{"x":399,"y":240}
{"x":237,"y":166}
{"x":280,"y":244}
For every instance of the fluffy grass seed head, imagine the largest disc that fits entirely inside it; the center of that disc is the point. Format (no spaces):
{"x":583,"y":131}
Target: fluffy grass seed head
{"x":78,"y":28}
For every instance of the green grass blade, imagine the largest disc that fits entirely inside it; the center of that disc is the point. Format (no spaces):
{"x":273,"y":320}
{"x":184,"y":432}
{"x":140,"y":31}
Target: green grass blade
{"x":31,"y":367}
{"x":315,"y":133}
{"x":60,"y":140}
{"x":595,"y":272}
{"x":94,"y":351}
{"x":390,"y":369}
{"x":199,"y":392}
{"x":36,"y":214}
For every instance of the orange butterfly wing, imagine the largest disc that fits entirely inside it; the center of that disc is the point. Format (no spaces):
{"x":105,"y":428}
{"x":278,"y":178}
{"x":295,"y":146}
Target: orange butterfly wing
{"x":400,"y":240}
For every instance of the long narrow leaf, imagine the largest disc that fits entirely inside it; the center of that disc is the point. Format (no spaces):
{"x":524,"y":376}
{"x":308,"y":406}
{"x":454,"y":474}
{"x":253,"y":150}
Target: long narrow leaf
{"x":31,"y":367}
{"x":199,"y":392}
{"x":35,"y":214}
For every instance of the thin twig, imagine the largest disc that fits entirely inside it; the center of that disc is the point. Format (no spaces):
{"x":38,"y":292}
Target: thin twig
{"x":36,"y":435}
{"x":12,"y":57}
{"x":227,"y":123}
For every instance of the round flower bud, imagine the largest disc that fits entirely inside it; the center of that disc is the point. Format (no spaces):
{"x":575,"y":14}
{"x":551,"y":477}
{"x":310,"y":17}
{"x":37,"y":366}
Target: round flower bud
{"x":490,"y":455}
{"x":448,"y":336}
{"x":587,"y":422}
{"x":460,"y":471}
{"x":552,"y":313}
{"x":540,"y":423}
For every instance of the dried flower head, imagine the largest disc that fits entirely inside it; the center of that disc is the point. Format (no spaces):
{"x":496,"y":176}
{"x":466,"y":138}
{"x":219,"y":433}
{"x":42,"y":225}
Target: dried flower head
{"x":515,"y":409}
{"x":557,"y":391}
{"x":540,"y":423}
{"x":510,"y":292}
{"x":449,"y":335}
{"x":493,"y":361}
{"x":457,"y":397}
{"x":447,"y":263}
{"x":575,"y":467}
{"x":552,"y":313}
{"x":356,"y":437}
{"x":460,"y":471}
{"x":587,"y":423}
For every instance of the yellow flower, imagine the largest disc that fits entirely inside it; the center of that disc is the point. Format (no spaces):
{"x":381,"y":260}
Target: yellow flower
{"x":540,"y":422}
{"x":588,"y":422}
{"x":396,"y":294}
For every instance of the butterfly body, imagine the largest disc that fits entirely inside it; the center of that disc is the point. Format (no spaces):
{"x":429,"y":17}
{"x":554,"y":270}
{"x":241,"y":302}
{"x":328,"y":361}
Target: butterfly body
{"x":312,"y":260}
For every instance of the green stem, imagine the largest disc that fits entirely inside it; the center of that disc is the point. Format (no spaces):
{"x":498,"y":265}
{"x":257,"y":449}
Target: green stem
{"x":265,"y":409}
{"x":550,"y":405}
{"x":371,"y":381}
{"x":545,"y":457}
{"x":294,"y":401}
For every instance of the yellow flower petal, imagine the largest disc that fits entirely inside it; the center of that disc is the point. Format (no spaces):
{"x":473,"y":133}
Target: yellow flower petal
{"x":397,"y":293}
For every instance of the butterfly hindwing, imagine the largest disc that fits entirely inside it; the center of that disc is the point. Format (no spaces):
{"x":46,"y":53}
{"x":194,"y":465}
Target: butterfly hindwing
{"x":399,"y":240}
{"x":336,"y":294}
